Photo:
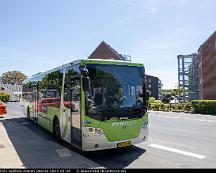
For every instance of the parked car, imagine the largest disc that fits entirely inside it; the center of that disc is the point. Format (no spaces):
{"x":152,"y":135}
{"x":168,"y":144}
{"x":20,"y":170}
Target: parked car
{"x":3,"y":108}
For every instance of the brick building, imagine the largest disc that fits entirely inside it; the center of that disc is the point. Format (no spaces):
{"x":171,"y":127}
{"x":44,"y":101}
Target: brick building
{"x":207,"y":68}
{"x":105,"y":51}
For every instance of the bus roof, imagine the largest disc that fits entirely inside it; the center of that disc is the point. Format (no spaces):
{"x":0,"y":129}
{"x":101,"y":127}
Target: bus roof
{"x":39,"y":75}
{"x":83,"y":61}
{"x":110,"y":61}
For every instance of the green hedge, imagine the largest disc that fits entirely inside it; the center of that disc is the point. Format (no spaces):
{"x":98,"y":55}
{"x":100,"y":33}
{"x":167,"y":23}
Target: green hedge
{"x":195,"y":106}
{"x":204,"y":106}
{"x":4,"y":97}
{"x":157,"y":105}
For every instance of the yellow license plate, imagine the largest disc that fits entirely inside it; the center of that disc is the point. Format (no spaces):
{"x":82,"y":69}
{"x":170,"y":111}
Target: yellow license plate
{"x":124,"y":144}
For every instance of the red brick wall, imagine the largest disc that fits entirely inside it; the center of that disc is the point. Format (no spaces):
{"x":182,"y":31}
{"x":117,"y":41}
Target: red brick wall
{"x":207,"y":55}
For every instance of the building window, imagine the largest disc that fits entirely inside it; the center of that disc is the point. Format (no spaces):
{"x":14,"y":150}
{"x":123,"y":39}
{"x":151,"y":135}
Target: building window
{"x":149,"y":80}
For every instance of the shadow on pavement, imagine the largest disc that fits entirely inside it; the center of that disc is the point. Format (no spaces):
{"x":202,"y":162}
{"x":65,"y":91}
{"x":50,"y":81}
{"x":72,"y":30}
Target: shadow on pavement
{"x":116,"y":158}
{"x":37,"y":148}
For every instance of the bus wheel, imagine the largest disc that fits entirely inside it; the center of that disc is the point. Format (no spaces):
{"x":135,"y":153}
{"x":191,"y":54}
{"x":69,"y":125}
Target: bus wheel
{"x":28,"y":113}
{"x":56,"y":129}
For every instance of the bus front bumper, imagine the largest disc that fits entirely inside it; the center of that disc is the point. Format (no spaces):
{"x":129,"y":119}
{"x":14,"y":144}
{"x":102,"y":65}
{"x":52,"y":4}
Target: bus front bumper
{"x":92,"y":142}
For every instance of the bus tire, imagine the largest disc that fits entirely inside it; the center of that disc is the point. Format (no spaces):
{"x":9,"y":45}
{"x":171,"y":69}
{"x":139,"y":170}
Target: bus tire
{"x":28,"y":113}
{"x":56,"y":129}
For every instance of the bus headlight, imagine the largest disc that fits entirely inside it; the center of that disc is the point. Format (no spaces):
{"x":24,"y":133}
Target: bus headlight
{"x":94,"y":131}
{"x":90,"y":129}
{"x":145,"y":125}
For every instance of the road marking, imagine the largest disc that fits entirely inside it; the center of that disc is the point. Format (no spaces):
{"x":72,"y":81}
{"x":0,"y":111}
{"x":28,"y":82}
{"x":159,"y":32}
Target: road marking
{"x":177,"y":151}
{"x":27,"y":123}
{"x":63,"y":152}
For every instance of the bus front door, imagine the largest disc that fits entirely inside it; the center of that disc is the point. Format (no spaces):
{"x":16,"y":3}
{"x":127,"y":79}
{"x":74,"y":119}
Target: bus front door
{"x":72,"y":101}
{"x":75,"y":117}
{"x":35,"y":102}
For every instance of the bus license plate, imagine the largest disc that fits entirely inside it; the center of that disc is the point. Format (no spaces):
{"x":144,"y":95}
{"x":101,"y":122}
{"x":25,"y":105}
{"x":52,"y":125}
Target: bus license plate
{"x":124,"y":144}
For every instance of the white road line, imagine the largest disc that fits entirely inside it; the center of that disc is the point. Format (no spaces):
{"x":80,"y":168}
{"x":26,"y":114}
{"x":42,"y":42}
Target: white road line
{"x":27,"y":123}
{"x":63,"y":152}
{"x":177,"y":151}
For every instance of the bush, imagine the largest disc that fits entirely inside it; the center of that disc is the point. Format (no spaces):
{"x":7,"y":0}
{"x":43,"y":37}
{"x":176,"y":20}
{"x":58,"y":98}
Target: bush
{"x":179,"y":106}
{"x":204,"y":106}
{"x":195,"y":106}
{"x":172,"y":107}
{"x":155,"y":106}
{"x":4,"y":97}
{"x":150,"y":101}
{"x":164,"y":107}
{"x":188,"y":107}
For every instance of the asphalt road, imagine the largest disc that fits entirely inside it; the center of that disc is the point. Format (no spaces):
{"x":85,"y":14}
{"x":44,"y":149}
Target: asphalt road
{"x":176,"y":140}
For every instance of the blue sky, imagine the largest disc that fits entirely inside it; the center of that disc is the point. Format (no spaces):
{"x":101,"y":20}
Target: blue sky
{"x":36,"y":35}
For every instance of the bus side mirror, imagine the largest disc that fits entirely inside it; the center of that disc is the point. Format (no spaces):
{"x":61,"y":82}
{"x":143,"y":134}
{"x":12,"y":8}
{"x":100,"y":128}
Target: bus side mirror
{"x":83,"y":70}
{"x":86,"y":83}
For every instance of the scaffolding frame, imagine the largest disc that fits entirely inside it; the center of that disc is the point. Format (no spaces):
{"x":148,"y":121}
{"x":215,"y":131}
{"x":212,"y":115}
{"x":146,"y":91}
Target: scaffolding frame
{"x":187,"y":75}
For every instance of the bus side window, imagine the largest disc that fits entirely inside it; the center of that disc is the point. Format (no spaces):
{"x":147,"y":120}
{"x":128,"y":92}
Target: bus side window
{"x":72,"y":89}
{"x":50,"y":89}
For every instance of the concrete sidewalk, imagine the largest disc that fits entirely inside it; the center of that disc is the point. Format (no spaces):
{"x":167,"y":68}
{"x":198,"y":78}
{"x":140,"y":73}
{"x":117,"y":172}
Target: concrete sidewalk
{"x":20,"y":147}
{"x":8,"y":155}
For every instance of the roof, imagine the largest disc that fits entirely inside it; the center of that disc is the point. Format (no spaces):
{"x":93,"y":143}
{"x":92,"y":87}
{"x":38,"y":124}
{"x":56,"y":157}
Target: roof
{"x":105,"y":51}
{"x":207,"y":40}
{"x":110,"y":61}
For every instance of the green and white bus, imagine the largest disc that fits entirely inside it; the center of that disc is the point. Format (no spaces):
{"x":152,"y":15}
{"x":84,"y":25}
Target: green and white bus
{"x":91,"y":104}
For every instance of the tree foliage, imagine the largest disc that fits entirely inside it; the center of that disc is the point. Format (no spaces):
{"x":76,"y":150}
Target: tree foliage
{"x":13,"y":77}
{"x":4,"y":97}
{"x":173,"y":92}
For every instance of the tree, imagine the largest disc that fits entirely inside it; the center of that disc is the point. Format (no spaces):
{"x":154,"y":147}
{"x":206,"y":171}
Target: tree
{"x":13,"y":77}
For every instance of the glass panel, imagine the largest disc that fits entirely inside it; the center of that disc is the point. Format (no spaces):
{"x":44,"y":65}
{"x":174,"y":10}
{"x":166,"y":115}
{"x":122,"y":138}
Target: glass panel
{"x":72,"y":101}
{"x":50,"y":93}
{"x":116,"y":91}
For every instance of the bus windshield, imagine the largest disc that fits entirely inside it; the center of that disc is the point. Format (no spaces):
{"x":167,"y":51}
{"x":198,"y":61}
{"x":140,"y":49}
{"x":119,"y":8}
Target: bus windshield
{"x":116,"y":91}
